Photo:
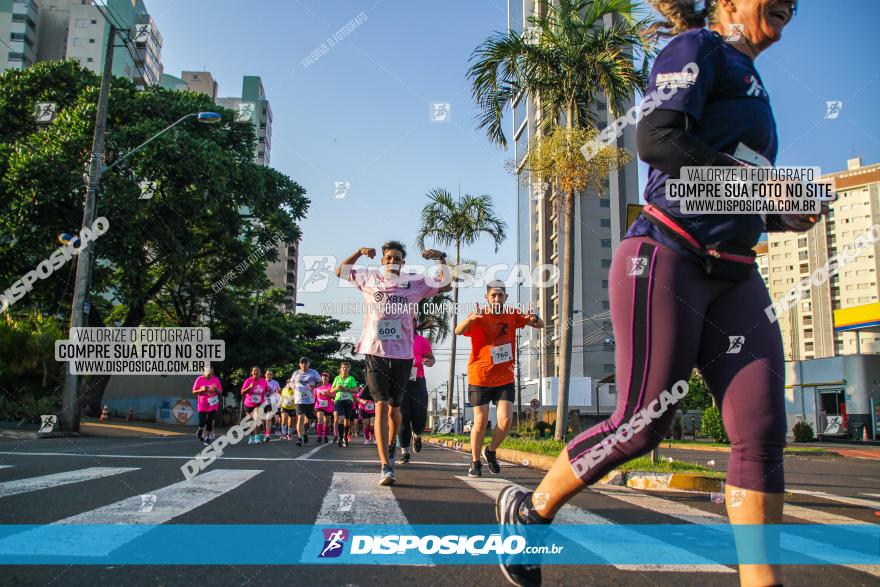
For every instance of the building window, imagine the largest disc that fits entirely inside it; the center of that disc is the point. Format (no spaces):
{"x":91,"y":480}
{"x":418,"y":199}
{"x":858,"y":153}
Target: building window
{"x":803,"y":255}
{"x":605,"y":223}
{"x":606,"y":243}
{"x":604,"y":203}
{"x":604,"y":284}
{"x":606,"y":263}
{"x":802,"y":242}
{"x":609,"y":367}
{"x":77,"y":42}
{"x":605,"y":304}
{"x":82,"y":23}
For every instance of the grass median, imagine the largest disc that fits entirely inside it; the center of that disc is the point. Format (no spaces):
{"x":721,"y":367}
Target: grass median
{"x":552,"y":447}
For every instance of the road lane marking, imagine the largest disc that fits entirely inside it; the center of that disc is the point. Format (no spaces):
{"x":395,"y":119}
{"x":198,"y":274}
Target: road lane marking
{"x":356,"y":498}
{"x":156,"y":431}
{"x":186,"y":458}
{"x":311,"y":452}
{"x":695,"y":516}
{"x":170,"y":502}
{"x":818,"y":516}
{"x":29,"y":484}
{"x":841,"y":498}
{"x":570,"y":514}
{"x":871,"y":494}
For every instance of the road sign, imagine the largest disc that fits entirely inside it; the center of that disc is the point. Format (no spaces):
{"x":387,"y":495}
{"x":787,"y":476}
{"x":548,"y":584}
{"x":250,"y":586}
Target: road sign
{"x":45,"y":111}
{"x":535,"y":403}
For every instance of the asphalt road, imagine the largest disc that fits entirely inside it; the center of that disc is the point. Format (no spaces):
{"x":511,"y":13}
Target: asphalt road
{"x":279,"y":483}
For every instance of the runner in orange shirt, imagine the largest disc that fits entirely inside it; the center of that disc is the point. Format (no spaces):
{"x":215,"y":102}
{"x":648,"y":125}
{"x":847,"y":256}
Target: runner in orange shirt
{"x":490,"y":369}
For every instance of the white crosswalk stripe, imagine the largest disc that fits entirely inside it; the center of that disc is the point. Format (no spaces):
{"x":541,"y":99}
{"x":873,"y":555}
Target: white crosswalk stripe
{"x":130,"y":514}
{"x":6,"y":466}
{"x":356,"y":498}
{"x":857,"y":501}
{"x":570,"y":514}
{"x":18,"y":486}
{"x":695,"y":516}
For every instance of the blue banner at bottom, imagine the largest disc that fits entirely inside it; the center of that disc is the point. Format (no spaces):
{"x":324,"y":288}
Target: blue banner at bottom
{"x":556,"y":544}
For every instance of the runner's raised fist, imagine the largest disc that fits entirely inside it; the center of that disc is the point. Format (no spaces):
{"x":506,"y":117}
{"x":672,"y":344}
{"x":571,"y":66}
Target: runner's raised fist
{"x":369,"y":252}
{"x":432,"y":254}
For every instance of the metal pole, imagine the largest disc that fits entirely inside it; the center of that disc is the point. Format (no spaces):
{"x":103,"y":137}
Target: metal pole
{"x":70,"y":410}
{"x":518,"y":384}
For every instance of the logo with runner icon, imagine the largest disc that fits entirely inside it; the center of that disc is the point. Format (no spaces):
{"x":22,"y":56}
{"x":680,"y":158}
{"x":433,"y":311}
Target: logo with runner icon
{"x":334,"y":541}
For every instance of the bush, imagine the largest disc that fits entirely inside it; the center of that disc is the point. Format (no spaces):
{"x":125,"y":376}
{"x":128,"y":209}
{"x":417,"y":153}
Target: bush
{"x":803,"y":432}
{"x":677,"y":428}
{"x":27,"y":409}
{"x":713,"y":425}
{"x":541,"y":429}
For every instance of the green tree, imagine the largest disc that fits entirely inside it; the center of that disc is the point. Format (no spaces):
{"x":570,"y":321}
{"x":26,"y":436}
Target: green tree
{"x":214,"y":209}
{"x":568,"y":60}
{"x":698,"y":396}
{"x":457,"y":222}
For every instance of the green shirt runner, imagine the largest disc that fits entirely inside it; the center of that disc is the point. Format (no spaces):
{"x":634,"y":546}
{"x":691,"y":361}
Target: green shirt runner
{"x":346,"y":385}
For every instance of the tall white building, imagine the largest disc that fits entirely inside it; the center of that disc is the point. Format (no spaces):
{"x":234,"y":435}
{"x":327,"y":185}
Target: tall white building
{"x":48,"y":30}
{"x":18,"y":31}
{"x":808,"y":327}
{"x":600,"y":221}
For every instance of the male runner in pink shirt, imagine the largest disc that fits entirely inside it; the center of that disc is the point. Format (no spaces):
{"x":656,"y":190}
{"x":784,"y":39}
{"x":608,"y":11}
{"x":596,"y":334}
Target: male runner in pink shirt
{"x":392,"y":300}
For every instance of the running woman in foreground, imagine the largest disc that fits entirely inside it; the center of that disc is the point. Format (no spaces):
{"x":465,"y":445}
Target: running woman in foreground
{"x":304,"y":382}
{"x":492,"y":331}
{"x":343,"y":390}
{"x":414,"y":408}
{"x":323,"y":408}
{"x":676,"y":304}
{"x":387,"y":337}
{"x":207,"y":388}
{"x":253,"y":392}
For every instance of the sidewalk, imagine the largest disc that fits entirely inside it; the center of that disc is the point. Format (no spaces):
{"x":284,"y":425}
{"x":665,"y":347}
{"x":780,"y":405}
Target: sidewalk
{"x":845,"y":450}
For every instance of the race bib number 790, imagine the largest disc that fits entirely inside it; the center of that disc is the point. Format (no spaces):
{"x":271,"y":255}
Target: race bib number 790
{"x":502,"y":353}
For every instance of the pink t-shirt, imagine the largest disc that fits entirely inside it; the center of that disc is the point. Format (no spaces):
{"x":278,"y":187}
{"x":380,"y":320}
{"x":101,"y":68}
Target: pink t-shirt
{"x":421,"y":347}
{"x":391,"y":304}
{"x":323,"y":399}
{"x":256,"y":395}
{"x":208,"y":402}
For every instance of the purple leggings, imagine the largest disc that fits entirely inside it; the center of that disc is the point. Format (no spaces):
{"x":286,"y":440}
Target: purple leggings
{"x":669,"y":316}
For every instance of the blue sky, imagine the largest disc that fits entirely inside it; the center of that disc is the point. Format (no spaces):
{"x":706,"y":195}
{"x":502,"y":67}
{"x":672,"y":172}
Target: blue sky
{"x":360,"y":113}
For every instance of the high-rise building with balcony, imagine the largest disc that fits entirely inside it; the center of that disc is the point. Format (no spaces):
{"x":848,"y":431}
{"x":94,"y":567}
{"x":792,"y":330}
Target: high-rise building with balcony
{"x":808,"y":329}
{"x":48,"y":30}
{"x":600,"y":221}
{"x":18,"y":31}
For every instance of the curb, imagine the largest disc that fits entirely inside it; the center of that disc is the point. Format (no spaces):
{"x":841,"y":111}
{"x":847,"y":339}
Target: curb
{"x":30,"y":435}
{"x":788,"y":450}
{"x":633,"y":479}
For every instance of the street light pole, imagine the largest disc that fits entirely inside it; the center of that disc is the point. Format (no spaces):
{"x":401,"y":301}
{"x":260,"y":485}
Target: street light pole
{"x":69,"y":420}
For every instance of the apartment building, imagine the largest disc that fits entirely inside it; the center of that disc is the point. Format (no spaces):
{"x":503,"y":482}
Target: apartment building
{"x":808,"y":327}
{"x":48,"y":30}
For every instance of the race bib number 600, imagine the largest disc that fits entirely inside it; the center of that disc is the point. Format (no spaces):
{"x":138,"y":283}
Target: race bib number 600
{"x":502,"y":354}
{"x":389,"y":330}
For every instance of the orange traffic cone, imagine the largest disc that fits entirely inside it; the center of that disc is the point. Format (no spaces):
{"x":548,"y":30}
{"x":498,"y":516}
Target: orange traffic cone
{"x":104,"y":414}
{"x":130,"y":414}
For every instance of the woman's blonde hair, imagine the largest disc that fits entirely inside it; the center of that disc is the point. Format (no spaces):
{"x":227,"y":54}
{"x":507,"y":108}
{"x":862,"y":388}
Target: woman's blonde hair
{"x":683,"y":15}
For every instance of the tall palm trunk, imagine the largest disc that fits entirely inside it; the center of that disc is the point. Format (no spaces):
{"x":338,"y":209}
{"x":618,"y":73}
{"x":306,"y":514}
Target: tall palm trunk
{"x":565,"y":310}
{"x":451,"y":384}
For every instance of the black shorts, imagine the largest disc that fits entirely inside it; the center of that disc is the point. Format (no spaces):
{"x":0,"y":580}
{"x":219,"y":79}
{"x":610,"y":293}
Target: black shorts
{"x":289,"y":411}
{"x":344,"y":408}
{"x":387,"y":378}
{"x":307,"y":410}
{"x":208,"y":419}
{"x":481,"y":396}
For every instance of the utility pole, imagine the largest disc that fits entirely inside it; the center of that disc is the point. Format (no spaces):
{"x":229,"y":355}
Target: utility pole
{"x":70,"y":413}
{"x":518,"y":383}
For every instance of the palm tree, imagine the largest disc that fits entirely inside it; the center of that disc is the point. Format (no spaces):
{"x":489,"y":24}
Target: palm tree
{"x":451,"y":221}
{"x":434,"y":316}
{"x":568,"y":59}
